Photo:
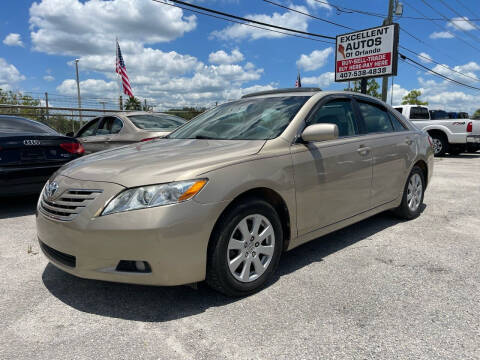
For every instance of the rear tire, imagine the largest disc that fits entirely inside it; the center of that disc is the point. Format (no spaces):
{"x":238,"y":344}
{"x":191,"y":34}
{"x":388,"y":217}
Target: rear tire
{"x":245,"y":249}
{"x":440,"y":144}
{"x":413,"y":194}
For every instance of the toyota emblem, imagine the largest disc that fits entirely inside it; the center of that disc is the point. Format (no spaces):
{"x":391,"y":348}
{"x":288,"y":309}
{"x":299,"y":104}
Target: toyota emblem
{"x":51,"y":189}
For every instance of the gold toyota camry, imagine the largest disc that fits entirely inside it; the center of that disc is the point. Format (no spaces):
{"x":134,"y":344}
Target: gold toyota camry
{"x":222,"y":197}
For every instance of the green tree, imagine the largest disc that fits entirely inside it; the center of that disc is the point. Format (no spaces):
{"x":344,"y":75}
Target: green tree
{"x":58,"y":122}
{"x":133,"y":103}
{"x":372,"y":88}
{"x":476,"y":115}
{"x":186,"y":112}
{"x":412,"y":98}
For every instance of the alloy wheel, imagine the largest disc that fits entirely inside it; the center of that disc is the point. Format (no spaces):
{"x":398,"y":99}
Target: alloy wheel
{"x":414,"y":192}
{"x":250,"y":248}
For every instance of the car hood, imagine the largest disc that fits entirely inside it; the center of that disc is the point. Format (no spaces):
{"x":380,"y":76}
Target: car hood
{"x":159,"y":161}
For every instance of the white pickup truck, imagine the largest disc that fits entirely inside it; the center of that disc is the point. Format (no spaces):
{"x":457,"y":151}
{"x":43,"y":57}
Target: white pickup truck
{"x":451,"y":136}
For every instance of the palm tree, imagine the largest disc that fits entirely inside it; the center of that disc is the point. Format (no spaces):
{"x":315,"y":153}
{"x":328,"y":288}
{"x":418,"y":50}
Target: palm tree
{"x":133,"y":104}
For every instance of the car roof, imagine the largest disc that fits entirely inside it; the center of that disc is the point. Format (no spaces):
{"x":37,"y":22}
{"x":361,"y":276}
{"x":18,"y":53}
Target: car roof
{"x":130,"y":113}
{"x":287,"y":91}
{"x":308,"y":91}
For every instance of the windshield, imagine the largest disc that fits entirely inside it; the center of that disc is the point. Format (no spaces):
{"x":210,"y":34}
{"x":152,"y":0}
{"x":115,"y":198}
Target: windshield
{"x":156,"y":122}
{"x":246,"y":119}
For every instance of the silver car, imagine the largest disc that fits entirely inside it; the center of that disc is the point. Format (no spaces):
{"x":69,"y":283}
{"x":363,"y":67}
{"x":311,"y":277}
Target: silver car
{"x":221,"y":198}
{"x":125,"y":128}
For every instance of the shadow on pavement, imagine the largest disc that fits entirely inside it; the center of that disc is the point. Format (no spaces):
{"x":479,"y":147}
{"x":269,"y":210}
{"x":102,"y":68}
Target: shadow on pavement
{"x":11,"y":207}
{"x":156,"y":304}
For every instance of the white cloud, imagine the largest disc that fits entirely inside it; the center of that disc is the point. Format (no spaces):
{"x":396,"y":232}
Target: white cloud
{"x":441,"y":35}
{"x":13,"y":39}
{"x":48,"y":78}
{"x":73,"y":27}
{"x":288,"y":19}
{"x":9,"y":75}
{"x":398,"y":93}
{"x":321,"y":5}
{"x":169,"y":78}
{"x":323,"y":81}
{"x":461,"y":23}
{"x":445,"y":96}
{"x":468,"y":71}
{"x":87,"y":30}
{"x":88,"y":87}
{"x":221,"y":57}
{"x":424,"y":57}
{"x":315,"y":60}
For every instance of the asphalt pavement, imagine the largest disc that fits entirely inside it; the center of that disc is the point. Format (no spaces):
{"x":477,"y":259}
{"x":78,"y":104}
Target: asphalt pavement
{"x":380,"y":289}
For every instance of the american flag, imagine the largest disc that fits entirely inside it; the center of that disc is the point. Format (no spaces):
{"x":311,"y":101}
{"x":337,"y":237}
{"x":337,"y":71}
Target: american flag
{"x":298,"y":82}
{"x":121,"y":70}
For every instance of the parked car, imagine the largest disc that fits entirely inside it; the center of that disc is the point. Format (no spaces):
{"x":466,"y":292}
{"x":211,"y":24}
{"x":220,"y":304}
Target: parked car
{"x":449,"y":135}
{"x":125,"y":128}
{"x":224,"y":195}
{"x":30,"y":152}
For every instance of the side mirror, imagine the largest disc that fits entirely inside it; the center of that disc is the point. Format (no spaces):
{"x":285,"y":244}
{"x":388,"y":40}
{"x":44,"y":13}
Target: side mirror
{"x":70,"y":133}
{"x":320,"y":132}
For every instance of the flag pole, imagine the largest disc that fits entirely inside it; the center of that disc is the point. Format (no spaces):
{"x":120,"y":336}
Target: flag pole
{"x":119,"y":80}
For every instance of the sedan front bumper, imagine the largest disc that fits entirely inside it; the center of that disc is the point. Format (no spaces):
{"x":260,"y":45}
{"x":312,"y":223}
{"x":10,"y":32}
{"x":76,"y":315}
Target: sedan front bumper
{"x":172,"y":239}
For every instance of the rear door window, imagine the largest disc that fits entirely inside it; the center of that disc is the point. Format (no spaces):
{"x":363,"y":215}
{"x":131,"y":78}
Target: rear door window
{"x":339,"y":112}
{"x":375,"y":117}
{"x":109,"y":125}
{"x":419,"y":113}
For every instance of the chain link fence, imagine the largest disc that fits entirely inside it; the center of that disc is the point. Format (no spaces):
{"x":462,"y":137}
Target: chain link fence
{"x":61,"y":112}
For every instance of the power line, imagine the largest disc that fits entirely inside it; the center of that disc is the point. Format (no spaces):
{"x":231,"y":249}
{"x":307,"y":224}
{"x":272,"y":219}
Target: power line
{"x":369,"y":13}
{"x":439,"y":64}
{"x":458,"y":14}
{"x":470,"y":11}
{"x":312,"y":34}
{"x":309,"y":15}
{"x":453,"y":23}
{"x":241,"y":23}
{"x":441,"y":28}
{"x":250,"y":20}
{"x":408,"y":33}
{"x":404,"y":57}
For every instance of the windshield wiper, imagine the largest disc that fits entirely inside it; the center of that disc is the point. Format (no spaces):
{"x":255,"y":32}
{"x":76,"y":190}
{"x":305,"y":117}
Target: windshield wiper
{"x":203,"y":137}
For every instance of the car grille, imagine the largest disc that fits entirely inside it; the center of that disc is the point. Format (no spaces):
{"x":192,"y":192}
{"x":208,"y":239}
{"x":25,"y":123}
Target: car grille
{"x":62,"y":258}
{"x":69,"y":204}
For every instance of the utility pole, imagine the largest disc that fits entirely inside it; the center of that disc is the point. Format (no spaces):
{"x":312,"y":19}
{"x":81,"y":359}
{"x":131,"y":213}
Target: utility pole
{"x":387,"y":21}
{"x":78,"y":92}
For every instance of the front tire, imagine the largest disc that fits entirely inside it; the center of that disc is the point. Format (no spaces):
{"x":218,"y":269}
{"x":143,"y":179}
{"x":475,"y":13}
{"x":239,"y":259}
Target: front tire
{"x":413,"y":194}
{"x":245,"y":249}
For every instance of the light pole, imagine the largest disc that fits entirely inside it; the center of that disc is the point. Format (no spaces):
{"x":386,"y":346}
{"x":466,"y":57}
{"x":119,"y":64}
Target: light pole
{"x":78,"y":92}
{"x":387,"y":21}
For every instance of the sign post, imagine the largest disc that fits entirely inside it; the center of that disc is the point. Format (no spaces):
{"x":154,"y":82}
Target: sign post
{"x":367,"y":53}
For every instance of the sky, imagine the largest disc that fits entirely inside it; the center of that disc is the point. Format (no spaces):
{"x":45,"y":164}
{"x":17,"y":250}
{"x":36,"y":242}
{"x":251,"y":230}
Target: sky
{"x":178,"y":58}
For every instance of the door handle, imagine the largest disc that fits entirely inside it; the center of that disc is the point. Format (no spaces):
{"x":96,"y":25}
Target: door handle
{"x":363,"y":150}
{"x":409,"y":141}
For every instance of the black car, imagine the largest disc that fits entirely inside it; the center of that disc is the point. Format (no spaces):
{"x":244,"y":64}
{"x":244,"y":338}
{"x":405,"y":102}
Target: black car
{"x":30,"y":152}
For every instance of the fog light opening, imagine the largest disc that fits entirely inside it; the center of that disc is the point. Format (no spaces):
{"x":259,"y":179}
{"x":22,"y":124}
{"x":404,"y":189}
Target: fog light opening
{"x":134,"y":266}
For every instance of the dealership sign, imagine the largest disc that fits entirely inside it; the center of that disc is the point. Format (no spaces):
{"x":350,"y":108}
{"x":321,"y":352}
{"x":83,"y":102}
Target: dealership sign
{"x":367,"y":53}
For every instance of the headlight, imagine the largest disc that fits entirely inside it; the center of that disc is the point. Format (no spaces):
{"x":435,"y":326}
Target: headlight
{"x":154,"y":195}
